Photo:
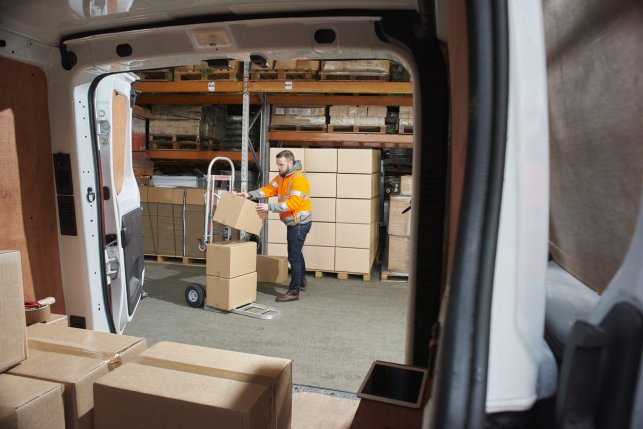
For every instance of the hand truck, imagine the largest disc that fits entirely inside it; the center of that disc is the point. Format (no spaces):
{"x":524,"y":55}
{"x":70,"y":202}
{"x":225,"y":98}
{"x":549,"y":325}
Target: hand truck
{"x":195,"y":292}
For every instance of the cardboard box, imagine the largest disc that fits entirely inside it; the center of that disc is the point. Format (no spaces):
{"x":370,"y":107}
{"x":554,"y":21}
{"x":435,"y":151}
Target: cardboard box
{"x":228,"y":294}
{"x":27,"y":403}
{"x":76,"y":373}
{"x":37,"y":315}
{"x":358,"y":236}
{"x":277,"y":231}
{"x":358,"y":161}
{"x":274,"y":373}
{"x":144,"y":396}
{"x":13,"y":334}
{"x":322,"y":185}
{"x":231,"y":259}
{"x":239,"y":213}
{"x":115,"y":349}
{"x":321,"y":160}
{"x":398,"y":253}
{"x":406,"y":185}
{"x":317,"y":258}
{"x":321,"y":234}
{"x":277,"y":249}
{"x":272,"y":269}
{"x":323,"y":209}
{"x":358,"y":261}
{"x":298,"y":152}
{"x":357,"y":210}
{"x":399,"y":223}
{"x":358,"y":185}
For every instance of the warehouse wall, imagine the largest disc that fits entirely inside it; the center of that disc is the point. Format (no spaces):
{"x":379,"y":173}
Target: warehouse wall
{"x":27,"y":205}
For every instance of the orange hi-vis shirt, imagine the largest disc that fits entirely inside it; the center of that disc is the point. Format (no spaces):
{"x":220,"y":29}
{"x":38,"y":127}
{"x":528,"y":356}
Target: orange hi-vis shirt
{"x":293,"y":198}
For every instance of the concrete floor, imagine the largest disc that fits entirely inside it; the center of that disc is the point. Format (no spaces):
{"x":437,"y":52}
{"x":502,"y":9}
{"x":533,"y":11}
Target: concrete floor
{"x":332,"y":334}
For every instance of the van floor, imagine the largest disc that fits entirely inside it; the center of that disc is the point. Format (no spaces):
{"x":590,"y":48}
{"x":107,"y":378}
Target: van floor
{"x":332,"y":334}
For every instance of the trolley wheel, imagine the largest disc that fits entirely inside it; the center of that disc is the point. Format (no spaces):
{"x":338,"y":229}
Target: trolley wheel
{"x":195,"y":295}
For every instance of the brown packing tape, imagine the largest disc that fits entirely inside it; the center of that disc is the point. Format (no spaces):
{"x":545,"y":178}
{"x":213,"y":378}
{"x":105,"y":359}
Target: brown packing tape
{"x":213,"y":372}
{"x":114,"y":360}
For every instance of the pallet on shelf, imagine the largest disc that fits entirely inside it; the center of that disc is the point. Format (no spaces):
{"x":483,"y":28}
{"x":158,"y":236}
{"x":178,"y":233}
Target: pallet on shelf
{"x":372,"y":129}
{"x":182,"y":260}
{"x":284,"y":127}
{"x":353,"y":76}
{"x":160,"y":75}
{"x":405,"y":129}
{"x":175,"y":142}
{"x":283,"y":75}
{"x":205,"y":73}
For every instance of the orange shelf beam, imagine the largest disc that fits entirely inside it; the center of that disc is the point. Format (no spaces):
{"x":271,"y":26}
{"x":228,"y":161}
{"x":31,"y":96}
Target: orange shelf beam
{"x":309,"y":138}
{"x":195,"y":156}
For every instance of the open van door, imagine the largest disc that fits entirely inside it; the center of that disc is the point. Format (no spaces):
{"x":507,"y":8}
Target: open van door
{"x":122,"y":221}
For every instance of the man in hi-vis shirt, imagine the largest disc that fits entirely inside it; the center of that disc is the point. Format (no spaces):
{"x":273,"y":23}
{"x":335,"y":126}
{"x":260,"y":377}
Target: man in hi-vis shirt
{"x":293,"y":205}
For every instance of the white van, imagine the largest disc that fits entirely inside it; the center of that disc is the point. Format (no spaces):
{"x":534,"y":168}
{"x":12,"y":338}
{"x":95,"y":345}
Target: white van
{"x":526,"y":276}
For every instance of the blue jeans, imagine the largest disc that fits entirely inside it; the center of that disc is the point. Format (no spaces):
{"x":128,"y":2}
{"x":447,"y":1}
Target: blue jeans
{"x":296,"y":236}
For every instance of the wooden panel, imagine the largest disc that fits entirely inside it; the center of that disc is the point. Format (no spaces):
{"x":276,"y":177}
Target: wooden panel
{"x":119,"y":138}
{"x":458,"y":70}
{"x":28,"y":219}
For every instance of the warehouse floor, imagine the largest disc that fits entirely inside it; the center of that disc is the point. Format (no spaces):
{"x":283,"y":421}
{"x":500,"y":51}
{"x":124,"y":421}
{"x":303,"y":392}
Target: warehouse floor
{"x":332,"y":334}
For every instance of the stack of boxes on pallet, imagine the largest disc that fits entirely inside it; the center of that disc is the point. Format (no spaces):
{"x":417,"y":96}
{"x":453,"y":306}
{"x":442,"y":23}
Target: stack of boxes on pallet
{"x":399,"y":227}
{"x":188,"y":123}
{"x":357,"y":116}
{"x":59,"y":377}
{"x":405,"y":120}
{"x":344,"y":189}
{"x":305,"y":117}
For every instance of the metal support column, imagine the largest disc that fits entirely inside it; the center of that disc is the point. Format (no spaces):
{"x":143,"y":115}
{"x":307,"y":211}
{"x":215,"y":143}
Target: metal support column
{"x":264,"y":150}
{"x":245,"y":121}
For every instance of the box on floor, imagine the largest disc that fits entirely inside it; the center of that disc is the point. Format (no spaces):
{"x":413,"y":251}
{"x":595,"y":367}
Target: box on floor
{"x":398,"y":253}
{"x":76,"y":373}
{"x":13,"y":335}
{"x":272,"y":269}
{"x":28,"y":403}
{"x":399,"y":222}
{"x":231,"y":260}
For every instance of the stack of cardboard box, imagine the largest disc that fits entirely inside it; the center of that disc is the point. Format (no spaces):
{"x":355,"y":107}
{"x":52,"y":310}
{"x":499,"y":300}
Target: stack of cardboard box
{"x":357,"y":67}
{"x":344,"y":189}
{"x":231,"y":271}
{"x":189,"y":120}
{"x":304,"y":116}
{"x":405,"y":119}
{"x":399,"y":227}
{"x":357,"y":115}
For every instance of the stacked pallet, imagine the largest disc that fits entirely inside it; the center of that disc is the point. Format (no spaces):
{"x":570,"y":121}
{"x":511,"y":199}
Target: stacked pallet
{"x":298,"y":118}
{"x":405,"y":120}
{"x":399,"y":230}
{"x":355,"y":70}
{"x":203,"y":72}
{"x":357,"y":118}
{"x":344,"y":189}
{"x":178,"y":125}
{"x":285,"y":70}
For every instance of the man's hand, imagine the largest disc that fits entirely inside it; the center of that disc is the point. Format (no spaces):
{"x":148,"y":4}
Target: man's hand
{"x":243,"y":194}
{"x":262,"y":207}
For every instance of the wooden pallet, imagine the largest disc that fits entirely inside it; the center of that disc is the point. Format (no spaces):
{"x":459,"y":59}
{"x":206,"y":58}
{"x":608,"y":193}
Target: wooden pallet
{"x":372,"y":129}
{"x":160,"y":75}
{"x":405,"y":129}
{"x":182,"y":260}
{"x":317,"y":128}
{"x":174,"y":142}
{"x":205,"y":75}
{"x":393,"y":276}
{"x":283,"y":75}
{"x":341,"y":275}
{"x":353,"y":76}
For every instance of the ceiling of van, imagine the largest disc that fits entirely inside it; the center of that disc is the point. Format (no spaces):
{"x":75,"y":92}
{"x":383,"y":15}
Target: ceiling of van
{"x":47,"y":21}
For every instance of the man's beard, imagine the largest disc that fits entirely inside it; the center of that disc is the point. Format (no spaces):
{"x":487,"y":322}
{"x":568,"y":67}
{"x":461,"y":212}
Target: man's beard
{"x":283,"y":174}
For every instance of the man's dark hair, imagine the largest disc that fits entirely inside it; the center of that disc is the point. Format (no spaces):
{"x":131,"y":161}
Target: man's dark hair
{"x":286,"y":154}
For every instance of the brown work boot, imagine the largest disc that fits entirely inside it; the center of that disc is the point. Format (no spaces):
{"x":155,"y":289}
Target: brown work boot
{"x":291,"y":295}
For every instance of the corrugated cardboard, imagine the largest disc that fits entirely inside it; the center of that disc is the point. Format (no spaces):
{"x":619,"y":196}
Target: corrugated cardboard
{"x":277,"y":231}
{"x":37,"y":315}
{"x":322,"y":185}
{"x":357,"y":210}
{"x":406,"y":185}
{"x":76,"y":373}
{"x":144,"y":396}
{"x":321,"y":234}
{"x":274,"y":373}
{"x":358,"y":236}
{"x":321,"y":160}
{"x":277,"y":249}
{"x":272,"y":269}
{"x":239,"y":213}
{"x":298,"y":152}
{"x":319,"y":258}
{"x":27,"y":403}
{"x":358,"y":185}
{"x":323,"y":209}
{"x":398,"y":253}
{"x":357,"y":261}
{"x":115,"y":349}
{"x":231,"y":259}
{"x":13,"y":331}
{"x":399,"y":223}
{"x":228,"y":294}
{"x":358,"y":161}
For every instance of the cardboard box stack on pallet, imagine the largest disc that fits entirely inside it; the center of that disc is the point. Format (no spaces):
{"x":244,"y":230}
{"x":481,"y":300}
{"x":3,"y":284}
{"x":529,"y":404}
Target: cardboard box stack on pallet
{"x":364,"y":116}
{"x":298,"y":116}
{"x":190,"y":120}
{"x":344,"y":189}
{"x":399,"y":227}
{"x":53,"y":376}
{"x":405,"y":120}
{"x":363,"y":68}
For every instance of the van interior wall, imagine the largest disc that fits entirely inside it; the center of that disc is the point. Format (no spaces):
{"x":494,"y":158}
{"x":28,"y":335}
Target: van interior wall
{"x":594,"y":65}
{"x":27,"y":192}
